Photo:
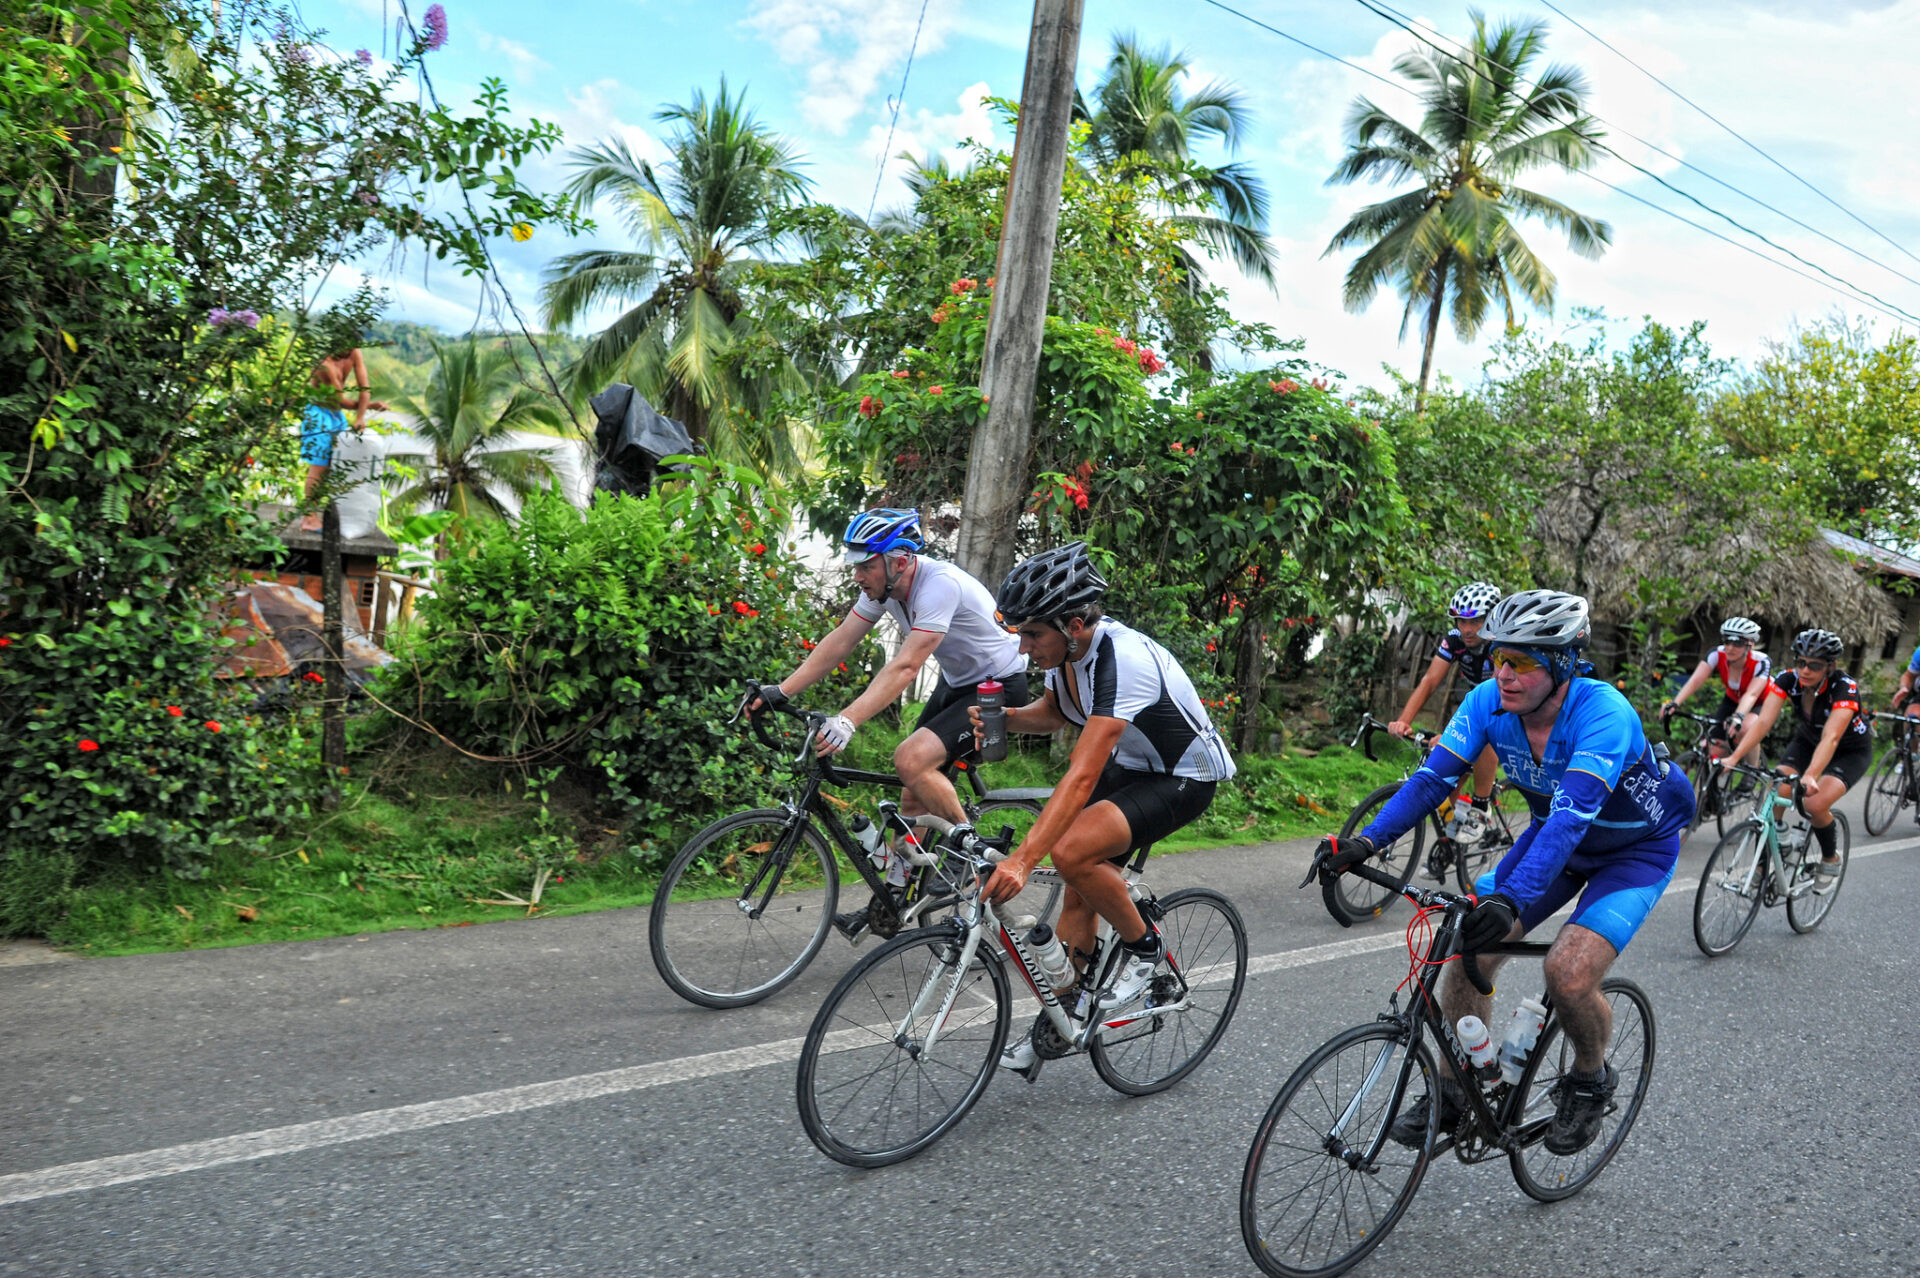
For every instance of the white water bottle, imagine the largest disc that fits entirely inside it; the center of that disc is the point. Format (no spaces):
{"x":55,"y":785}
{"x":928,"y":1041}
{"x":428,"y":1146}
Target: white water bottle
{"x":868,"y":836}
{"x":1476,"y":1042}
{"x":1523,"y":1031}
{"x":1052,"y":958}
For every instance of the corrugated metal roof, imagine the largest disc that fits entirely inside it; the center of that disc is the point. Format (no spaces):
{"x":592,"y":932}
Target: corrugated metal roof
{"x":1886,"y":560}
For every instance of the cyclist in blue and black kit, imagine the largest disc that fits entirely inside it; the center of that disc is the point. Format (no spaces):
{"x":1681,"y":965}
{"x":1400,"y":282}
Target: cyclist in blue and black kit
{"x":1608,"y":814}
{"x":1903,"y":698}
{"x":1461,"y":647}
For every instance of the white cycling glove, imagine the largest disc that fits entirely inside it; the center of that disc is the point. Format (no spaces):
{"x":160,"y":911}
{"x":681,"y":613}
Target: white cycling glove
{"x":836,"y":732}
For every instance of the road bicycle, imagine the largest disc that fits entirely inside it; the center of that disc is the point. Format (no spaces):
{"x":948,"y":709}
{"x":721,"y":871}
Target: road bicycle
{"x":1763,"y":863}
{"x":1324,"y":1180}
{"x":911,"y":1036}
{"x":1354,"y":902}
{"x":1714,"y":794}
{"x":1896,"y":778}
{"x":746,"y":904}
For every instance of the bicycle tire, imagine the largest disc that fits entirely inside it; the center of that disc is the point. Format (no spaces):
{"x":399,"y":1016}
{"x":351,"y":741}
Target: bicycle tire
{"x":1700,"y":770}
{"x":1207,"y":942}
{"x":1806,"y":910}
{"x":1510,"y":820}
{"x":1040,"y":899}
{"x":1548,"y":1177}
{"x":1351,"y":899}
{"x":1728,"y":818}
{"x":689,"y":938}
{"x":850,"y":1056}
{"x":1284,"y":1234}
{"x":1887,"y":791}
{"x":1728,"y":898}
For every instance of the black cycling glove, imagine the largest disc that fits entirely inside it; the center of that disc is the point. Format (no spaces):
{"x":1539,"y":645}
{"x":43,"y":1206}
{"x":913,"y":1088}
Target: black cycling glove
{"x":1342,"y":854}
{"x":771,"y":694}
{"x":1488,"y":923}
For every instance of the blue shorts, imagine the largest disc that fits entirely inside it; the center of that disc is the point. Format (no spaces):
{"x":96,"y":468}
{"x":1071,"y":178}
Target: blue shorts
{"x":1620,"y":886}
{"x":318,"y":426}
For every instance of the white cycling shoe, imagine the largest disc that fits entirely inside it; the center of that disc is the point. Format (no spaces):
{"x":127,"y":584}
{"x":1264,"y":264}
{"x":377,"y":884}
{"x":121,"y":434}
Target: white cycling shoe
{"x":1020,"y":1057}
{"x":1134,"y":980}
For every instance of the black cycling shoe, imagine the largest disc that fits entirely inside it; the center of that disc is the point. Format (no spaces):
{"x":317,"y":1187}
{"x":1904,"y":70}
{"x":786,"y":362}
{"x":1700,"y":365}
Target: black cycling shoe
{"x":852,"y":925}
{"x":1580,"y":1107}
{"x":1410,"y":1129}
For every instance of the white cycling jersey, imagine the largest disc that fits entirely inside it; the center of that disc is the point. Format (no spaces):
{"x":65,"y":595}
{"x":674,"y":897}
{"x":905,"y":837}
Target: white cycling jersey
{"x":1125,"y":675}
{"x":947,"y":600}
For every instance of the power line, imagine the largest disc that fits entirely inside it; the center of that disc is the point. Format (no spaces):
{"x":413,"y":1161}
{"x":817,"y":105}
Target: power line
{"x":1387,"y":12}
{"x":1730,"y":129}
{"x":900,"y":100}
{"x":1853,"y":296}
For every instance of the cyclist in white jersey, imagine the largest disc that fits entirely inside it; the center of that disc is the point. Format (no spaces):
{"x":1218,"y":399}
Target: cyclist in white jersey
{"x":1146,"y":764}
{"x":942,"y":612}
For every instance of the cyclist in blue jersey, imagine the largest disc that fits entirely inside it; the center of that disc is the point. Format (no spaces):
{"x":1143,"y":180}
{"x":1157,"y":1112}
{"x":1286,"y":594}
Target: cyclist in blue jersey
{"x":1462,"y":646}
{"x":1608,"y":813}
{"x":1903,"y":698}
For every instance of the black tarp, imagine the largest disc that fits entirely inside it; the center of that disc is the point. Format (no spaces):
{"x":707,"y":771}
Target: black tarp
{"x":631,"y":438}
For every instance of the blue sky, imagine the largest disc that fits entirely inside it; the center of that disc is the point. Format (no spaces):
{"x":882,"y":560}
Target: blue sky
{"x":1824,"y":87}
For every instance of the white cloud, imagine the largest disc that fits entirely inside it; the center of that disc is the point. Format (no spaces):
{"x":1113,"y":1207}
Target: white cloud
{"x":526,"y":63}
{"x":927,"y":136}
{"x":850,"y":48}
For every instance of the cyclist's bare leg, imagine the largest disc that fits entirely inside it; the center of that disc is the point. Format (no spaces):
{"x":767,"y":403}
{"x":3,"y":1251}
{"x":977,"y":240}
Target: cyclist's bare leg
{"x":1458,"y":998}
{"x":1484,"y":769}
{"x":1077,"y":924}
{"x":1576,"y":964}
{"x":925,"y":788}
{"x":1084,"y":859}
{"x":1819,"y":800}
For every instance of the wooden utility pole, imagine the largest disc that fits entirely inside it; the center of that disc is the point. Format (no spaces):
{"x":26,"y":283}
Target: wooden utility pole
{"x":997,"y":474}
{"x":333,"y":704}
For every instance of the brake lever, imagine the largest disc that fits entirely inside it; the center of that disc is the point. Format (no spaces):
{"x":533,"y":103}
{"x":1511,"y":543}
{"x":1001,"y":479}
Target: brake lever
{"x":1314,"y":869}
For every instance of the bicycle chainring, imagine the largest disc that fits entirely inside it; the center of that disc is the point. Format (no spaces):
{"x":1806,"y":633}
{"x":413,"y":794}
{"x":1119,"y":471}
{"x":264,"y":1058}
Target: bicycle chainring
{"x":1048,"y":1045}
{"x":883,"y":919}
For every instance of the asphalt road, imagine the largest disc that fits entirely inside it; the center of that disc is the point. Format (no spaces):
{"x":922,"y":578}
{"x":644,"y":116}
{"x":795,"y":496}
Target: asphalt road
{"x":528,"y":1098}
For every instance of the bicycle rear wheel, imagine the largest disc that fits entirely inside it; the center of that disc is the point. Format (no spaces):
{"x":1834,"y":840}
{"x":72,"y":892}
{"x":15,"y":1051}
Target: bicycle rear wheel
{"x":870,"y":1092}
{"x":1806,"y":908}
{"x":1510,"y":817}
{"x":1308,"y":1208}
{"x":764,"y":886}
{"x":1728,"y":898}
{"x":1549,"y":1177}
{"x":1207,"y":946}
{"x":1351,"y":899}
{"x":1888,"y":791}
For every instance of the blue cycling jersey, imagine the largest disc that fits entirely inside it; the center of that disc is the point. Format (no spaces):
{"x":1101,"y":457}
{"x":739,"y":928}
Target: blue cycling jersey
{"x":1914,"y":665}
{"x":1597,"y":787}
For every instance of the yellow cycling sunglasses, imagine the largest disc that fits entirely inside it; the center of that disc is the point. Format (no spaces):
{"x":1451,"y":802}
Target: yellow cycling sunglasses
{"x":1518,"y":662}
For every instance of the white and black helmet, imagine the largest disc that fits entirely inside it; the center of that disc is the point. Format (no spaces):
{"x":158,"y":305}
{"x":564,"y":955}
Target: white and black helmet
{"x":1473,"y":600}
{"x":1740,"y":630}
{"x":1052,"y":584}
{"x":1822,"y":645}
{"x":1540,"y":619}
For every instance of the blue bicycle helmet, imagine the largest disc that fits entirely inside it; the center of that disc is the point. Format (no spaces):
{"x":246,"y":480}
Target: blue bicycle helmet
{"x":875,"y":532}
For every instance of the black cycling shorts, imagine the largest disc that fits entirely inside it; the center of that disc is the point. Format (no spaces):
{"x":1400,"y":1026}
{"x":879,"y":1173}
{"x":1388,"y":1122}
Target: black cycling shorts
{"x":1155,"y":804}
{"x":1850,"y":762}
{"x":945,"y":714}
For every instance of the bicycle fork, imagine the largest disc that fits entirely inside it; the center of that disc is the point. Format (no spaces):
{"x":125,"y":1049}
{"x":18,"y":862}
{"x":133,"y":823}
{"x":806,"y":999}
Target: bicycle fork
{"x":1335,"y":1142}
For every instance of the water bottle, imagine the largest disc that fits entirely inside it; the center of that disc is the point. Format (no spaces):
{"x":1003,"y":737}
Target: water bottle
{"x":1476,"y":1042}
{"x":868,"y":836}
{"x":1523,"y":1031}
{"x":1052,"y":958}
{"x":993,"y":721}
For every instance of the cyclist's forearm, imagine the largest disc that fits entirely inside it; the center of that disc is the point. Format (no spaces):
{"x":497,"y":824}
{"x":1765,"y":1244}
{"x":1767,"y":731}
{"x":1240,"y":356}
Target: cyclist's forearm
{"x":1430,"y":783}
{"x":1042,"y":716}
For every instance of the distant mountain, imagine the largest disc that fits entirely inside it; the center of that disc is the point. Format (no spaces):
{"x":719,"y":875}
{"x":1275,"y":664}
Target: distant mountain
{"x":400,"y":357}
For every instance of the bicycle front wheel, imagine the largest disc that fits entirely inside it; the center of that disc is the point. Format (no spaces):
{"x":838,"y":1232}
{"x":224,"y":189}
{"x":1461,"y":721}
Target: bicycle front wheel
{"x":1508,"y":821}
{"x":1806,"y":906}
{"x":1887,"y":791}
{"x":1543,"y":1174}
{"x":1311,"y":1206}
{"x":872,"y":1090}
{"x":1351,"y":899}
{"x":1728,"y":898}
{"x":1207,"y":968}
{"x":756,"y":895}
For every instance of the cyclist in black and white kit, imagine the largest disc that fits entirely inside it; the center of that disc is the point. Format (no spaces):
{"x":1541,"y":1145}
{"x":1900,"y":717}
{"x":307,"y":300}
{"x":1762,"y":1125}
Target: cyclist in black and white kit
{"x":943,"y":613}
{"x":1146,"y":764}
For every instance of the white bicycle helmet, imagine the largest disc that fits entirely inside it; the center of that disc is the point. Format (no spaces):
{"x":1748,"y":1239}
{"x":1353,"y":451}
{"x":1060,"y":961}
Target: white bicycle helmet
{"x":1541,"y":619}
{"x":1740,"y":630}
{"x":1473,"y":600}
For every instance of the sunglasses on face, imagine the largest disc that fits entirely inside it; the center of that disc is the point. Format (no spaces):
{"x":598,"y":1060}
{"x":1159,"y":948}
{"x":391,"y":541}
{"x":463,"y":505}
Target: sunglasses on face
{"x":1518,"y":662}
{"x":1812,"y":667}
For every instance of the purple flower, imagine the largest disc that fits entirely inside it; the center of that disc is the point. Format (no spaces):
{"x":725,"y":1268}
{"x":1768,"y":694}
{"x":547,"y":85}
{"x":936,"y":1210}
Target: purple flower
{"x":221,"y":317}
{"x":218,"y":317}
{"x":299,"y":53}
{"x":367,"y":198}
{"x":363,"y":56}
{"x":249,"y":318}
{"x":435,"y":26}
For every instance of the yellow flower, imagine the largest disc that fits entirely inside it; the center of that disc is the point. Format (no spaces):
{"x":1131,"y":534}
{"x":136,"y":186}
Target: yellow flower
{"x":522,"y":231}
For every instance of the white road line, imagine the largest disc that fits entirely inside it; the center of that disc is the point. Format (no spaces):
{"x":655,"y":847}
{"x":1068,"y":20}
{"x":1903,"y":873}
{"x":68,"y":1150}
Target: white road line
{"x":123,"y":1169}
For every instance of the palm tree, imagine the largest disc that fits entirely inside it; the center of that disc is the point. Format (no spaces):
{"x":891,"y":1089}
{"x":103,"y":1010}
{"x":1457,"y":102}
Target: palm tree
{"x":473,"y":401}
{"x":688,"y":340}
{"x":1453,"y":235}
{"x":1143,"y":124}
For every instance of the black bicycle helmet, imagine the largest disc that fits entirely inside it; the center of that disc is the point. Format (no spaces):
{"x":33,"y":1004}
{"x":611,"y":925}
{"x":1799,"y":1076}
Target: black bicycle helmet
{"x":1540,"y":619}
{"x":1054,"y":583}
{"x":1821,"y":645}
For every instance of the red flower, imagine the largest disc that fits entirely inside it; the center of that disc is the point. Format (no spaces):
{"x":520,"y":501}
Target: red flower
{"x":869,"y":406}
{"x":314,"y":676}
{"x":740,"y":607}
{"x":942,"y":314}
{"x":757,"y":548}
{"x":213,"y":725}
{"x":5,"y":642}
{"x":1209,"y":647}
{"x":88,"y":747}
{"x":1124,"y":346}
{"x":1175,"y":448}
{"x":901,"y":372}
{"x":1150,"y":363}
{"x":807,"y":643}
{"x":936,"y":390}
{"x":1076,"y":492}
{"x":175,"y":711}
{"x":713,"y":611}
{"x":1320,"y":383}
{"x":753,"y":612}
{"x":959,"y":287}
{"x":1285,"y":386}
